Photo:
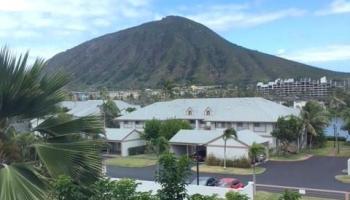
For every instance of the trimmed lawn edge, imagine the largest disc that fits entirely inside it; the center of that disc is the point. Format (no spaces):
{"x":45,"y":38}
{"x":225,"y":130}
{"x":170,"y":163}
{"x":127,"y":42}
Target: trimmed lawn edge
{"x":343,"y":178}
{"x":228,"y":170}
{"x":286,"y":159}
{"x":137,"y":161}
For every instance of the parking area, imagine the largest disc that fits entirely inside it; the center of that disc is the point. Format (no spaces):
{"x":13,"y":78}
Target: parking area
{"x":316,"y":172}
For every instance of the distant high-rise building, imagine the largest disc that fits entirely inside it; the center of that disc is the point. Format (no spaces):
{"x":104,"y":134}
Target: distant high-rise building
{"x":303,"y":88}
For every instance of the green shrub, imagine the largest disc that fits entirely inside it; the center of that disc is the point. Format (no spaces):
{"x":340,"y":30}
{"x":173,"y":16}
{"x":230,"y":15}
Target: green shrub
{"x":211,"y":160}
{"x":137,"y":150}
{"x":236,"y":196}
{"x":203,"y":197}
{"x":242,"y":162}
{"x":290,"y":195}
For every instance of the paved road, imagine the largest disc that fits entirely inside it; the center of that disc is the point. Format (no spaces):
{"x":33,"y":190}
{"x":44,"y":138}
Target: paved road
{"x":316,"y":172}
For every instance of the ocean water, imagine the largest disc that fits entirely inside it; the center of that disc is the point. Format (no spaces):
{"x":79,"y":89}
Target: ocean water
{"x":329,"y":131}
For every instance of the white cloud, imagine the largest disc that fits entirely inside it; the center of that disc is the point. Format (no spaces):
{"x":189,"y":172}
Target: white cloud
{"x":224,"y":17}
{"x":336,"y":7}
{"x":339,"y":52}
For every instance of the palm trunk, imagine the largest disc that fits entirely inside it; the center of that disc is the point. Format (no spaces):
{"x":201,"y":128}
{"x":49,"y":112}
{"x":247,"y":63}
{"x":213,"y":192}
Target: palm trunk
{"x":298,"y":144}
{"x":310,"y":144}
{"x":225,"y":155}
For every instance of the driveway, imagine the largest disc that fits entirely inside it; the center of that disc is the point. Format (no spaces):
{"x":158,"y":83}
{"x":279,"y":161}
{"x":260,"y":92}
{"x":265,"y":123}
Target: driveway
{"x":316,"y":172}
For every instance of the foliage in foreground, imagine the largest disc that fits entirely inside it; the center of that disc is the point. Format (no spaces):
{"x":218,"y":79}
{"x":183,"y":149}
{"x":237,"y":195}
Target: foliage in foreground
{"x":59,"y":145}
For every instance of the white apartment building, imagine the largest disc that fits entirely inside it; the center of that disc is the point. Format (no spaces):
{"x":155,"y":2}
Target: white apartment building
{"x":255,"y":114}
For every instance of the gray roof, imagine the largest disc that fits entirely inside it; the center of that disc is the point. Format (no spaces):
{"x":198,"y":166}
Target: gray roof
{"x":117,"y":134}
{"x":222,"y":109}
{"x":248,"y":137}
{"x":92,"y":107}
{"x":203,"y":137}
{"x":196,"y":137}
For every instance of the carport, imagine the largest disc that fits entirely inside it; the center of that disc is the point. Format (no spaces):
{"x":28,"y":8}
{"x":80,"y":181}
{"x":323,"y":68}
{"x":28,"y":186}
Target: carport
{"x":121,"y":140}
{"x":188,"y":142}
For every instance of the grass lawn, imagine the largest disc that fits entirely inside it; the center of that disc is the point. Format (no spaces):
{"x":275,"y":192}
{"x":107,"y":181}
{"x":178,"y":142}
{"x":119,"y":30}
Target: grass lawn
{"x":328,"y":150}
{"x":274,"y":196}
{"x":143,"y":160}
{"x":228,"y":170}
{"x":290,"y":157}
{"x":343,"y":178}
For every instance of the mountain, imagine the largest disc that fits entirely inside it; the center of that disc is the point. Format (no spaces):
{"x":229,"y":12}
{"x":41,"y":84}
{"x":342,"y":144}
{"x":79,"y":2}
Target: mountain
{"x":175,"y":49}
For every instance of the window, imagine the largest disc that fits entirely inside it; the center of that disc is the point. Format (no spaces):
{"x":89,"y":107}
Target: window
{"x":207,"y":112}
{"x":259,"y":127}
{"x":189,"y":111}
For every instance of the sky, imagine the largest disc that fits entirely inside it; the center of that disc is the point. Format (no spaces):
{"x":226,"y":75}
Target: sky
{"x":315,"y":32}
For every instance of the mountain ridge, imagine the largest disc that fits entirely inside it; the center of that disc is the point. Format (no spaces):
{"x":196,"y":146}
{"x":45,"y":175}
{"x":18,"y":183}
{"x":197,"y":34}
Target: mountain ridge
{"x":175,"y":49}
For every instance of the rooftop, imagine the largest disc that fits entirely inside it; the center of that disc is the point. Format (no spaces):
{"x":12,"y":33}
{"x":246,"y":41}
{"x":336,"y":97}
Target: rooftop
{"x":92,"y":107}
{"x":220,"y":109}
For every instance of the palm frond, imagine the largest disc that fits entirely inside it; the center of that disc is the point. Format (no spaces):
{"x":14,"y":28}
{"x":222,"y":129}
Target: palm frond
{"x":64,"y":124}
{"x":20,"y":181}
{"x":79,"y":160}
{"x":26,"y":91}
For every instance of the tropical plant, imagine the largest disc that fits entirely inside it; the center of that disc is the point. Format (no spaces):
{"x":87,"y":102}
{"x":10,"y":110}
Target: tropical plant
{"x":172,"y":177}
{"x":290,"y":195}
{"x":229,"y":133}
{"x":254,"y":151}
{"x":288,"y":129}
{"x":171,"y":126}
{"x":62,"y":145}
{"x":315,"y":118}
{"x":236,"y":196}
{"x":110,"y":111}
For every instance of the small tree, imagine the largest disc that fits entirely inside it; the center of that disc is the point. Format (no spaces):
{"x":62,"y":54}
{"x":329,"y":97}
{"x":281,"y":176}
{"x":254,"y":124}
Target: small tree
{"x":172,"y":177}
{"x":288,"y":129}
{"x":170,"y":127}
{"x":229,"y":133}
{"x":290,"y":195}
{"x":110,"y":111}
{"x":254,"y":151}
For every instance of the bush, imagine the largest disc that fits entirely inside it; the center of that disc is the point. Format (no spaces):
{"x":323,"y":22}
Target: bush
{"x":340,"y":138}
{"x":203,"y":197}
{"x":290,"y":195}
{"x":236,"y":196}
{"x":242,"y":162}
{"x":137,"y":150}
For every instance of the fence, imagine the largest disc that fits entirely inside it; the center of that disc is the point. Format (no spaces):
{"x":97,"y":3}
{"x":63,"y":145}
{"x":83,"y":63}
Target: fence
{"x":146,"y":186}
{"x":325,"y":194}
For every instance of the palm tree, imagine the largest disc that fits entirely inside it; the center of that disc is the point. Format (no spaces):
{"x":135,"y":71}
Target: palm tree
{"x":229,"y":133}
{"x":315,"y":119}
{"x":61,"y":145}
{"x":254,"y":151}
{"x":335,"y":106}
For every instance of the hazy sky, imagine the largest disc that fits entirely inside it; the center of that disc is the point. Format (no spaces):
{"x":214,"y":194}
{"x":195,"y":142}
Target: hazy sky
{"x":316,"y":32}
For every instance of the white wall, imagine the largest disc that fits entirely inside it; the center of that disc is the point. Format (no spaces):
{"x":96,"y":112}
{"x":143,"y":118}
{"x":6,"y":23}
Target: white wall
{"x":132,"y":143}
{"x":234,"y":149}
{"x":146,"y":186}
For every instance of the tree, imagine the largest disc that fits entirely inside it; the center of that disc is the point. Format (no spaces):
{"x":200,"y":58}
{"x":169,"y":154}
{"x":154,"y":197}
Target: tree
{"x":172,"y":177}
{"x":130,"y":109}
{"x":229,"y":133}
{"x":288,"y":129}
{"x":254,"y":151}
{"x":110,"y":111}
{"x":152,"y":129}
{"x":171,"y":126}
{"x":315,"y":119}
{"x":62,"y":146}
